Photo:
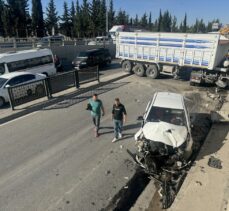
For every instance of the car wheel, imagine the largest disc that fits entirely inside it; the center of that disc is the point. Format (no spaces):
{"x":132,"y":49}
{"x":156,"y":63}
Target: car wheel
{"x":2,"y":102}
{"x":152,"y":71}
{"x":40,"y":90}
{"x":139,"y":70}
{"x":108,"y":62}
{"x":127,"y":66}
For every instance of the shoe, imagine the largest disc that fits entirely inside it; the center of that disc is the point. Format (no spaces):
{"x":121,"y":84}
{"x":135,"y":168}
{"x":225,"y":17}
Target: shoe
{"x":114,"y":140}
{"x":120,"y":135}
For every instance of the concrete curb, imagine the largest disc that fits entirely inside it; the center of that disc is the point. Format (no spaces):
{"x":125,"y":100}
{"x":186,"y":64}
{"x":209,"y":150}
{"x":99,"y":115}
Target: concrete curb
{"x":41,"y":105}
{"x":144,"y":200}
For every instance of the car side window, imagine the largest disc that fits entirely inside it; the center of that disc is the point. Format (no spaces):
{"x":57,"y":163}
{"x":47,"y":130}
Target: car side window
{"x":28,"y":78}
{"x":2,"y":69}
{"x":14,"y":81}
{"x":20,"y":79}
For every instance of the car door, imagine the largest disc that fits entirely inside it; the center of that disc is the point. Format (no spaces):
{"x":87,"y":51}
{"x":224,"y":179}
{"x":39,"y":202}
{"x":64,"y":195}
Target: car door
{"x":20,"y":80}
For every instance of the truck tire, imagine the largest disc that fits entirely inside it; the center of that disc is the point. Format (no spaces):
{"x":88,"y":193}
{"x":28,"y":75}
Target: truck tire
{"x":127,"y":66}
{"x":139,"y":70}
{"x":152,"y":71}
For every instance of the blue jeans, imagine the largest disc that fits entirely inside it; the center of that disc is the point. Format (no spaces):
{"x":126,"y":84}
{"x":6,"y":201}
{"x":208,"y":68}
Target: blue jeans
{"x":117,"y":127}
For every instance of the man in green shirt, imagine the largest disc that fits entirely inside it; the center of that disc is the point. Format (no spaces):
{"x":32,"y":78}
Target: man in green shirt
{"x":97,"y":110}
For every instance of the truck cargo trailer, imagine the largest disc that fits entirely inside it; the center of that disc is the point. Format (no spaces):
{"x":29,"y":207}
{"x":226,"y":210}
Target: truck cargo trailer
{"x":152,"y":54}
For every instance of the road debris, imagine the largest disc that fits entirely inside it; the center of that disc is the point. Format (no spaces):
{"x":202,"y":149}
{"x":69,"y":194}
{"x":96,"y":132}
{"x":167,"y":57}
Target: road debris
{"x":199,"y":183}
{"x":214,"y":162}
{"x":108,"y":172}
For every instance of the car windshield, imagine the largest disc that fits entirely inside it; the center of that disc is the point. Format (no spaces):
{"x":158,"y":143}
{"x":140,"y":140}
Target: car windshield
{"x":83,"y":54}
{"x":2,"y":82}
{"x":169,"y":115}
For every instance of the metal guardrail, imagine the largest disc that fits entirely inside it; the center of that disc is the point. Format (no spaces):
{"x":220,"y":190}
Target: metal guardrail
{"x":21,"y":94}
{"x":38,"y":43}
{"x":25,"y":93}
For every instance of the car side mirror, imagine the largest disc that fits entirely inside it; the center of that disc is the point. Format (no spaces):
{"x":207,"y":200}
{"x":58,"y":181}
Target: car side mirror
{"x":7,"y":86}
{"x":140,"y":118}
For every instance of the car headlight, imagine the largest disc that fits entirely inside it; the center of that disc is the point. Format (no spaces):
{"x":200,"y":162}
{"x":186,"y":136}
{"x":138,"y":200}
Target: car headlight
{"x":83,"y":63}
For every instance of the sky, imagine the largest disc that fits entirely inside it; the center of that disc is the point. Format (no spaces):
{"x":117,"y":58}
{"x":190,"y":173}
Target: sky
{"x":206,"y":9}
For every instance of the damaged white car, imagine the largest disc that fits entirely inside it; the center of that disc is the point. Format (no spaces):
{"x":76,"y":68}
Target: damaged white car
{"x":164,"y":143}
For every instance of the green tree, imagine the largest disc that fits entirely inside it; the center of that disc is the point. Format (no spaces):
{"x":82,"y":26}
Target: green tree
{"x":102,"y":17}
{"x":95,"y":19}
{"x":85,"y":14}
{"x":159,"y":22}
{"x":37,"y":18}
{"x":6,"y":19}
{"x":174,"y":24}
{"x":18,"y":11}
{"x":65,"y":26}
{"x":51,"y":17}
{"x":72,"y":19}
{"x":1,"y":17}
{"x":166,"y":22}
{"x":136,"y":21}
{"x":150,"y":25}
{"x":122,"y":18}
{"x":78,"y":20}
{"x":184,"y":25}
{"x":111,"y":15}
{"x":144,"y":21}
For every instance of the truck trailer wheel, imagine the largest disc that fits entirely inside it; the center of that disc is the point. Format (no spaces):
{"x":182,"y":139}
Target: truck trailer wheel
{"x":139,"y":70}
{"x":127,"y":66}
{"x":152,"y":71}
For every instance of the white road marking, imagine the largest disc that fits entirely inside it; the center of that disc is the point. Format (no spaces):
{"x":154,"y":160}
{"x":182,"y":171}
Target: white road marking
{"x":14,"y":120}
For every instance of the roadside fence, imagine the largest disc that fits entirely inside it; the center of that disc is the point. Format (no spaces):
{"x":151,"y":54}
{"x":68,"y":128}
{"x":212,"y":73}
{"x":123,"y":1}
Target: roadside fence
{"x":21,"y":94}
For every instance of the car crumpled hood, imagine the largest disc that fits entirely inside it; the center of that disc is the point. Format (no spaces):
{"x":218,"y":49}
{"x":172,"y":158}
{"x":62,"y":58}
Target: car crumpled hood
{"x":164,"y":132}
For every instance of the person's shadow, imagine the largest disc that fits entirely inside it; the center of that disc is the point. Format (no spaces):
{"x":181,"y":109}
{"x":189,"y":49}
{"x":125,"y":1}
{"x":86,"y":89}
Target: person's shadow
{"x":125,"y":129}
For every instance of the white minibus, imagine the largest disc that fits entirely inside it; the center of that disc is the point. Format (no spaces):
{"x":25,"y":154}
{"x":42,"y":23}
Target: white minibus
{"x":34,"y":61}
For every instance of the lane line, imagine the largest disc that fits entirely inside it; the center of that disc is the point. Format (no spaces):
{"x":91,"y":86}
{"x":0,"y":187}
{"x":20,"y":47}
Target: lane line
{"x":19,"y":118}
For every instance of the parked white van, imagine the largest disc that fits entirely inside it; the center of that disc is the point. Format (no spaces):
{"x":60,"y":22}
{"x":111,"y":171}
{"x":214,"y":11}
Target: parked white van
{"x":34,"y":61}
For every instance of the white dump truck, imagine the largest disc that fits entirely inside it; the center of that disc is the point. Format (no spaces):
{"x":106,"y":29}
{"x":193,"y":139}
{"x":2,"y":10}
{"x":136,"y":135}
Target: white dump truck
{"x":152,"y":54}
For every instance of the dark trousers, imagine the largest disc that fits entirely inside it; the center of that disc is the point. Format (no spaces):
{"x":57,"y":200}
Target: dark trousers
{"x":117,"y":127}
{"x":96,"y":121}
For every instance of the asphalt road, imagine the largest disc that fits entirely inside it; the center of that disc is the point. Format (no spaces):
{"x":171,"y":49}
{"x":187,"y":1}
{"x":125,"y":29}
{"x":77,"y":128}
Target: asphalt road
{"x":51,"y":161}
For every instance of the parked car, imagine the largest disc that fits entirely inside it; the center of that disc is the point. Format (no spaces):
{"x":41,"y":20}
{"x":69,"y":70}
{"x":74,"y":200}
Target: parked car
{"x":53,"y":40}
{"x":21,"y":78}
{"x":92,"y":58}
{"x":103,"y":40}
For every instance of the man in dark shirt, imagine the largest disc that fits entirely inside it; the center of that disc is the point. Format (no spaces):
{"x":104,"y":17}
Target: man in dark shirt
{"x":119,"y":117}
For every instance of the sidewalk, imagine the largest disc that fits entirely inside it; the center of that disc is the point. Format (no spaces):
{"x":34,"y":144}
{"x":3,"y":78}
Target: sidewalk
{"x":8,"y":115}
{"x":206,"y":188}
